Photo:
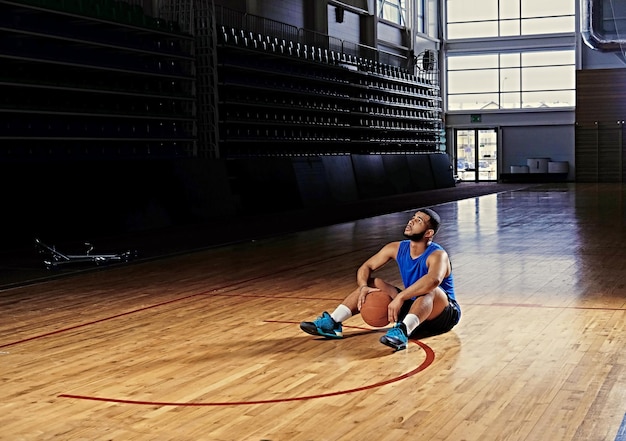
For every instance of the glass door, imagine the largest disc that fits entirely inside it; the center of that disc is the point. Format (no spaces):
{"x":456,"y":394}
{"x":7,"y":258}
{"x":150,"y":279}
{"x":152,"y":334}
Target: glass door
{"x":476,"y":154}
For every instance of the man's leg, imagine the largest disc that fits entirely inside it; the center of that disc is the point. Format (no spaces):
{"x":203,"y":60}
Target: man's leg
{"x":423,"y":308}
{"x":329,"y":325}
{"x":429,"y":306}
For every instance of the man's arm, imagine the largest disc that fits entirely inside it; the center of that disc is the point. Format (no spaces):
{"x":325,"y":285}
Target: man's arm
{"x":438,"y":268}
{"x":363,"y":274}
{"x":386,"y":253}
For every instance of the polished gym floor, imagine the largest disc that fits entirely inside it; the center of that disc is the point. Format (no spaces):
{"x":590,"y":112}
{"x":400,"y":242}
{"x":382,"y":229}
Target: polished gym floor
{"x":205,"y":344}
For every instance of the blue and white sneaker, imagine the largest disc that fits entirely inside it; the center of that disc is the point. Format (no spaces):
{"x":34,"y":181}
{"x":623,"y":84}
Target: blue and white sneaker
{"x":324,"y":326}
{"x":396,"y":337}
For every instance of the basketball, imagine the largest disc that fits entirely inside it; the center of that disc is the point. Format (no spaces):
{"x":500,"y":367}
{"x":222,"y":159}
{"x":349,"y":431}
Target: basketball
{"x":374,"y":309}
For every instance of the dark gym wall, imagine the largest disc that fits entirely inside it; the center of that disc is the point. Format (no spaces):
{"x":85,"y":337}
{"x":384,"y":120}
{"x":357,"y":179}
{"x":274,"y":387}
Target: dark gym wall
{"x":340,"y":176}
{"x":81,"y":200}
{"x":348,"y":30}
{"x":286,"y":11}
{"x":313,"y":15}
{"x":283,"y":184}
{"x":60,"y":197}
{"x":86,"y":199}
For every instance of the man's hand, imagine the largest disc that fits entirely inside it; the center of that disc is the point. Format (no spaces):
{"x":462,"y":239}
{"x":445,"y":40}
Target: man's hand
{"x":393,"y":310}
{"x":363,"y":292}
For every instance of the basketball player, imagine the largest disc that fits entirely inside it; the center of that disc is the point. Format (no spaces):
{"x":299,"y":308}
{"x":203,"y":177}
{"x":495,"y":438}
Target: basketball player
{"x":426,"y":306}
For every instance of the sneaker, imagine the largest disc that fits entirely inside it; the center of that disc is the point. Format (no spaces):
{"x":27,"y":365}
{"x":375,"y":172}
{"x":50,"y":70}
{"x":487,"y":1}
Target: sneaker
{"x":324,"y":326}
{"x":396,"y":337}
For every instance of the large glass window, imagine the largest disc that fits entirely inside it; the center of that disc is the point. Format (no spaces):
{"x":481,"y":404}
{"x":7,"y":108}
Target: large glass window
{"x":500,"y":18}
{"x":506,"y":80}
{"x":419,"y":16}
{"x":603,"y":24}
{"x":393,"y":11}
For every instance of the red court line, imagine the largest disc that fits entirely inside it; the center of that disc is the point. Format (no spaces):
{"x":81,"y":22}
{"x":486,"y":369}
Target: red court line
{"x":430,"y":357}
{"x":539,"y":305}
{"x":60,"y":331}
{"x":82,"y":325}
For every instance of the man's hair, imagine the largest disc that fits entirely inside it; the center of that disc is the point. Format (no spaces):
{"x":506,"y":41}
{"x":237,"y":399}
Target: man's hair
{"x":435,"y":220}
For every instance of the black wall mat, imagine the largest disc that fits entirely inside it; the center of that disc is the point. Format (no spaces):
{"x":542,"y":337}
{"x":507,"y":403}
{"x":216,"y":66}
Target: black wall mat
{"x":265,"y":184}
{"x":82,"y":200}
{"x":340,"y":176}
{"x":397,"y":172}
{"x":370,"y":175}
{"x":205,"y":187}
{"x":421,"y":172}
{"x":442,"y":170}
{"x":312,"y":183}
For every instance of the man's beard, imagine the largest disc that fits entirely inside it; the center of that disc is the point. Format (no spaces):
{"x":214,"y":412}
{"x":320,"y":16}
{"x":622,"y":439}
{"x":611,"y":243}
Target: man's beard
{"x":415,"y":237}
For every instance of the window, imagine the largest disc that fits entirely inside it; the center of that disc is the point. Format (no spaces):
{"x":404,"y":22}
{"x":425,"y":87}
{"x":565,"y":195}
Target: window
{"x":500,"y":18}
{"x":604,"y":24}
{"x":511,"y":80}
{"x":510,"y":54}
{"x":420,"y":25}
{"x":393,"y":11}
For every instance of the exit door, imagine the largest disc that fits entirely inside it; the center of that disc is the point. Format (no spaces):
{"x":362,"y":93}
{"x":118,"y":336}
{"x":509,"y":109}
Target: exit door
{"x":476,"y":154}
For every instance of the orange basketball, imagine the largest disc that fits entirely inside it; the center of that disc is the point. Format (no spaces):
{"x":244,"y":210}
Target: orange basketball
{"x":374,"y":309}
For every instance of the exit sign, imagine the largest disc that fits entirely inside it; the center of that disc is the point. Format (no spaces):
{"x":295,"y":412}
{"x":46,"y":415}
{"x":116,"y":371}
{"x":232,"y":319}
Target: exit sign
{"x":476,"y":118}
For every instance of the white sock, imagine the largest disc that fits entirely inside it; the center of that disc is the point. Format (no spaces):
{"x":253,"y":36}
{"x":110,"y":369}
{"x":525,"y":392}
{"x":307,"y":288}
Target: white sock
{"x":411,"y":321}
{"x":341,"y":313}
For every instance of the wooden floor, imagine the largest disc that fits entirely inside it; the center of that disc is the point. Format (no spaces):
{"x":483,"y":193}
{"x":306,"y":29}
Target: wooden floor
{"x":206,"y":345}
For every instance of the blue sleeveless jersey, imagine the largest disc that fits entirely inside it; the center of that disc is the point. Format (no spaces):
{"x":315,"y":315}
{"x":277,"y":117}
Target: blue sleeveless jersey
{"x":413,"y":269}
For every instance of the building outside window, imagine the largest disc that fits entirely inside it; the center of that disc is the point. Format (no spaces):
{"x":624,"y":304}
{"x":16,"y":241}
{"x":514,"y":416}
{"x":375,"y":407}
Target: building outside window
{"x":501,"y":18}
{"x":512,"y":80}
{"x":510,"y":54}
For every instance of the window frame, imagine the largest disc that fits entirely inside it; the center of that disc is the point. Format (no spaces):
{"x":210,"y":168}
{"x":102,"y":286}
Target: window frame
{"x":401,"y":8}
{"x":501,"y":46}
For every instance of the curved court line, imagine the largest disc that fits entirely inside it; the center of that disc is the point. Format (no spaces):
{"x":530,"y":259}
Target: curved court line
{"x":430,"y":357}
